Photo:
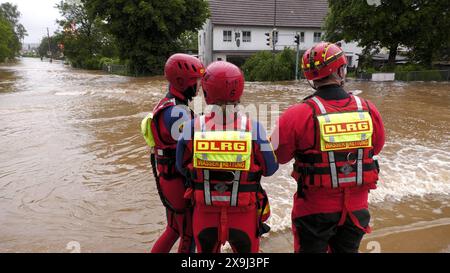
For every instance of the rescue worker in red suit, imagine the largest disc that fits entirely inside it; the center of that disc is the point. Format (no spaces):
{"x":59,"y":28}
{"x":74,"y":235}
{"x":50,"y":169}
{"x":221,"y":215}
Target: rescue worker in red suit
{"x":184,"y":73}
{"x":224,"y":153}
{"x":333,"y":137}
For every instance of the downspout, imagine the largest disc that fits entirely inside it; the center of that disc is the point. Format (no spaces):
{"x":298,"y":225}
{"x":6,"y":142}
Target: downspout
{"x":211,"y":43}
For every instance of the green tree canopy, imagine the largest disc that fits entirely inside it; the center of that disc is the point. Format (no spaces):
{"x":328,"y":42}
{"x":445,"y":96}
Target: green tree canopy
{"x":54,"y":42}
{"x":11,"y":31}
{"x":411,"y":23}
{"x":188,"y":41}
{"x":432,"y":41}
{"x":7,"y":40}
{"x":147,"y":30}
{"x":12,"y":14}
{"x":83,"y":36}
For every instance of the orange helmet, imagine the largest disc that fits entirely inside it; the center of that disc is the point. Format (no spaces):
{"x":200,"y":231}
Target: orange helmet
{"x":322,"y":60}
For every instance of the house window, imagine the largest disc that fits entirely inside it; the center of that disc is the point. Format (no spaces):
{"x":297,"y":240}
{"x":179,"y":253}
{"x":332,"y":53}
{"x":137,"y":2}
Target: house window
{"x":350,"y":61}
{"x":246,"y":36}
{"x":302,"y":37}
{"x":227,"y":35}
{"x":317,"y":37}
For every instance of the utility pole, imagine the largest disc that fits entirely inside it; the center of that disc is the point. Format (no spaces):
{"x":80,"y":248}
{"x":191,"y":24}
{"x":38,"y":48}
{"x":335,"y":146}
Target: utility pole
{"x":274,"y":26}
{"x":273,"y":38}
{"x":49,"y":49}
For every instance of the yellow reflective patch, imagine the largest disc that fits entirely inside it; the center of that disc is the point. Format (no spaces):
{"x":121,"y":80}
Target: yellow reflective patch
{"x":218,"y":165}
{"x":226,"y":150}
{"x":329,"y":146}
{"x":146,"y":130}
{"x":221,"y":146}
{"x":344,"y":131}
{"x":346,"y":127}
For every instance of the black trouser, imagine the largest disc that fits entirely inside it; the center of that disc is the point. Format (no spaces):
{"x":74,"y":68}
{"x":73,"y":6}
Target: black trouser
{"x":239,"y":241}
{"x":319,"y":233}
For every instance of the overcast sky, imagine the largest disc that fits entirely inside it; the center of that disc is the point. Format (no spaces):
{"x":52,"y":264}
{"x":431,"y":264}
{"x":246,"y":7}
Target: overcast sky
{"x":37,"y":15}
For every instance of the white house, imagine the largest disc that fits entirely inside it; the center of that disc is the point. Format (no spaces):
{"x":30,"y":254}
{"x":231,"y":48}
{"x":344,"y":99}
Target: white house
{"x":237,"y":28}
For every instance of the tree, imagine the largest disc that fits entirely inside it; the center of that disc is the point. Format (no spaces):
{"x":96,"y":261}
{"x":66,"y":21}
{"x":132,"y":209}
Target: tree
{"x":12,"y":15}
{"x":433,"y":33}
{"x":389,"y":25}
{"x":83,"y":36}
{"x":12,"y":32}
{"x":7,"y":40}
{"x":55,"y":41}
{"x":188,"y":41}
{"x":259,"y":67}
{"x":264,"y":67}
{"x":422,"y":25}
{"x":147,"y":30}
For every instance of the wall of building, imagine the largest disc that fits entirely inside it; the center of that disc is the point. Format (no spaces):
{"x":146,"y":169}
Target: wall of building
{"x":351,"y":50}
{"x":219,"y":49}
{"x":258,"y":38}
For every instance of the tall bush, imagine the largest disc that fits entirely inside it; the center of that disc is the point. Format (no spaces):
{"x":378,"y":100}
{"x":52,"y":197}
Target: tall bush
{"x":263,"y":66}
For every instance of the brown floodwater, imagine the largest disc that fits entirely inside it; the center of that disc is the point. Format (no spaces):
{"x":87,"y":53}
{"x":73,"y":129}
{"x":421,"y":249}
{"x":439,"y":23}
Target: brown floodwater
{"x":74,"y":169}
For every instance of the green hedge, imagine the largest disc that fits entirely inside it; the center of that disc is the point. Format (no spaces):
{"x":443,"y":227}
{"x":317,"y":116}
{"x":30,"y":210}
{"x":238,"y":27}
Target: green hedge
{"x":429,"y":75}
{"x":106,"y":61}
{"x":93,"y":63}
{"x":263,"y":66}
{"x":409,"y":68}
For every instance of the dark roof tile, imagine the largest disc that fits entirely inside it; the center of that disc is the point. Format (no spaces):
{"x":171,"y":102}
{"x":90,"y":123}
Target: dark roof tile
{"x":290,"y":13}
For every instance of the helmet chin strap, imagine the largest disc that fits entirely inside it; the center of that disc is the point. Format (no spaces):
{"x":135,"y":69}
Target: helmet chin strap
{"x":311,"y":83}
{"x":190,"y":92}
{"x":341,"y":74}
{"x":340,"y":79}
{"x":335,"y":75}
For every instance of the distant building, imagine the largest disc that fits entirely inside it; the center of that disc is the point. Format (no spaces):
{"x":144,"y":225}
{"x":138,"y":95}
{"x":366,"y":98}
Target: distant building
{"x":30,"y":47}
{"x":381,"y":59}
{"x":236,"y":29}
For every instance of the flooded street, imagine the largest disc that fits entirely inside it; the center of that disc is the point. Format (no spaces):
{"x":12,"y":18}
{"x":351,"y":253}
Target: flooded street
{"x":74,"y":167}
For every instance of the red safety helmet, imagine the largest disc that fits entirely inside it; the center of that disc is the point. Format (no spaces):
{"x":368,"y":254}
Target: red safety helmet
{"x":223,"y":82}
{"x":322,"y":60}
{"x":183,"y":72}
